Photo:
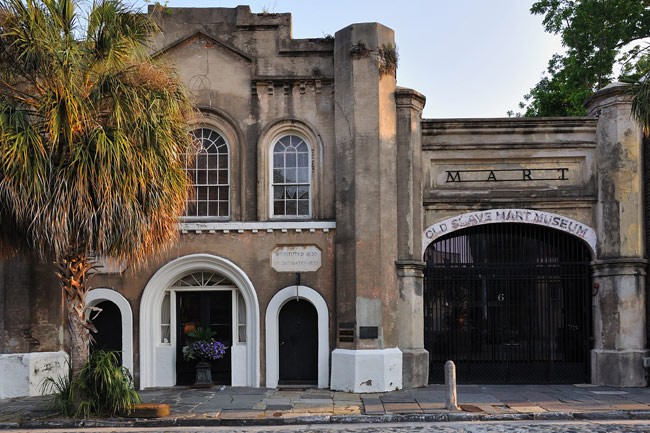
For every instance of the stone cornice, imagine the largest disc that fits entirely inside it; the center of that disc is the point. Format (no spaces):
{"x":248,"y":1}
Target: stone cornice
{"x":256,"y":227}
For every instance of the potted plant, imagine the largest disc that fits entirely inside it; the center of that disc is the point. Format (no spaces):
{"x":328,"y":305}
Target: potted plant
{"x":202,"y":347}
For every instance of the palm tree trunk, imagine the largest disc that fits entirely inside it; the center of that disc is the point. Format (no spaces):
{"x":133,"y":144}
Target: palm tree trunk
{"x":73,"y":276}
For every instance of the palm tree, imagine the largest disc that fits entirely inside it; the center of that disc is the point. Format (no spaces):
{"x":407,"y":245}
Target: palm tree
{"x":93,"y":135}
{"x":641,"y":103}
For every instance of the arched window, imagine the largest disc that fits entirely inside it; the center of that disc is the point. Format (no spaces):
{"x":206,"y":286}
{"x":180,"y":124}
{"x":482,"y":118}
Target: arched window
{"x":210,"y":175}
{"x":291,"y":178}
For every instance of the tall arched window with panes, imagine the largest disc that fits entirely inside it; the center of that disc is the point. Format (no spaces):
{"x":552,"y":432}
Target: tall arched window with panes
{"x":210,"y":174}
{"x":291,"y":178}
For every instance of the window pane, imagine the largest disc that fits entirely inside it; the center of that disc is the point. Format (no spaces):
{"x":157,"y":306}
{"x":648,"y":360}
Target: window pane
{"x":202,"y":193}
{"x":213,"y":177}
{"x":201,"y":162}
{"x":278,"y":176}
{"x":165,"y":320}
{"x":291,"y":192}
{"x":223,"y":160}
{"x":292,"y":175}
{"x":191,"y":209}
{"x":303,"y":160}
{"x":223,"y":177}
{"x":291,"y":159}
{"x":278,"y":207}
{"x":303,"y":175}
{"x":303,"y":207}
{"x":291,"y":207}
{"x":223,"y":208}
{"x":278,"y":192}
{"x":303,"y":192}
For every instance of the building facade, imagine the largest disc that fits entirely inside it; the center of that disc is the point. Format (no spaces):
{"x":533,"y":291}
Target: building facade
{"x":337,"y":239}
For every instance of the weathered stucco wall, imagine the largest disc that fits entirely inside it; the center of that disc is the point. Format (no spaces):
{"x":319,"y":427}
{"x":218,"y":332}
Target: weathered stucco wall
{"x":249,"y":251}
{"x":246,"y":69}
{"x":476,"y":164}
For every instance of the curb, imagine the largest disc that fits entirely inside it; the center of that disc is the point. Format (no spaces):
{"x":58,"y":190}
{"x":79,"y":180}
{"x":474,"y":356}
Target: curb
{"x":326,"y":419}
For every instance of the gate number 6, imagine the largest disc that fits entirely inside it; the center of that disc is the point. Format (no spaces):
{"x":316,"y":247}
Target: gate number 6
{"x":501,"y":297}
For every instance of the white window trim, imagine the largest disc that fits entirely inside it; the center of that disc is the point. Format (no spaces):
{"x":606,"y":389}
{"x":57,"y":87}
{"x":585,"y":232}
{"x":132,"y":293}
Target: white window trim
{"x":227,"y":217}
{"x":310,"y":167}
{"x":267,"y":140}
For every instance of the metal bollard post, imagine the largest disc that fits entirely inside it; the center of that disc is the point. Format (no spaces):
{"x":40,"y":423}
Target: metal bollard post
{"x":450,"y":386}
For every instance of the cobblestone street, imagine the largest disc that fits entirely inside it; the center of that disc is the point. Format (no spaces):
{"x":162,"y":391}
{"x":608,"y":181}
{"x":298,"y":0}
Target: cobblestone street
{"x":482,"y":427}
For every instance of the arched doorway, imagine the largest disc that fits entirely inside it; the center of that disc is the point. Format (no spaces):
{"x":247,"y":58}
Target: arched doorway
{"x":122,"y":325}
{"x":509,"y":303}
{"x":108,"y":336}
{"x":305,"y":295}
{"x":298,"y":351}
{"x":160,"y":323}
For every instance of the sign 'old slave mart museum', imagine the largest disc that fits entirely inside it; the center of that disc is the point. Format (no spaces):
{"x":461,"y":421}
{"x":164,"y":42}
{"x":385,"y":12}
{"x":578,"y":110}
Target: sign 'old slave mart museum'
{"x":524,"y":216}
{"x":540,"y":222}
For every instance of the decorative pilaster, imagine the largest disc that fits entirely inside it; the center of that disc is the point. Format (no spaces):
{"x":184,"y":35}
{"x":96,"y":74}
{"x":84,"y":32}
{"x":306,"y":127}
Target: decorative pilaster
{"x":620,"y":271}
{"x":409,"y":266}
{"x":367,"y":358}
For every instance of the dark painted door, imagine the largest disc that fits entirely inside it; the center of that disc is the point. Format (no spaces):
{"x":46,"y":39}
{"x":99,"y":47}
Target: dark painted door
{"x":298,"y":334}
{"x":208,"y":310}
{"x":109,"y":328}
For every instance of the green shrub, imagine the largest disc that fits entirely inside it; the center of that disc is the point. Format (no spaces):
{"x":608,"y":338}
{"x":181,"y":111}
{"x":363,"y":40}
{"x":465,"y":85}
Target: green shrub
{"x":103,"y":388}
{"x":62,"y":395}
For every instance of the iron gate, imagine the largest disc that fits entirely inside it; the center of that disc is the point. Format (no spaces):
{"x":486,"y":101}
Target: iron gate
{"x":508,"y":303}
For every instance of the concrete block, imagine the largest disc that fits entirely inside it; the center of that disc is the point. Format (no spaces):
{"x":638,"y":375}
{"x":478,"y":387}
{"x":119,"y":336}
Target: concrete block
{"x":23,"y":373}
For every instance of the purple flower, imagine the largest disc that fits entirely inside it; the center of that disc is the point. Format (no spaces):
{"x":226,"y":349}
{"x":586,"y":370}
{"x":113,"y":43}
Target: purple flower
{"x":204,"y":350}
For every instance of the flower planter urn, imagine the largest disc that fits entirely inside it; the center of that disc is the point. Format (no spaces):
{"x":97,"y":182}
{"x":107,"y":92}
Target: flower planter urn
{"x":203,"y":375}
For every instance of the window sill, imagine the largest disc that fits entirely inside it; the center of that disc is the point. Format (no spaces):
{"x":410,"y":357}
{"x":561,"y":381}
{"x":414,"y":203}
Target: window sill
{"x":267,"y":226}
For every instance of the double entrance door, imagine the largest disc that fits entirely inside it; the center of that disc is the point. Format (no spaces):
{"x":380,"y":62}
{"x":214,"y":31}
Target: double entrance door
{"x":508,"y":303}
{"x":206,"y":309}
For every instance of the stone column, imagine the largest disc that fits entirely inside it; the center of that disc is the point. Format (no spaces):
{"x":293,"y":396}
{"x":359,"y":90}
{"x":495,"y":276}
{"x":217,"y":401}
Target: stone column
{"x":410,"y":277}
{"x":367,"y":357}
{"x":620,"y":268}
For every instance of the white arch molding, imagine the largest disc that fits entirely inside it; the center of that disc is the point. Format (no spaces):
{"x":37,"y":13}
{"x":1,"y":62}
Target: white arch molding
{"x":522,"y":216}
{"x":157,"y":359}
{"x":95,"y":297}
{"x":272,"y":332}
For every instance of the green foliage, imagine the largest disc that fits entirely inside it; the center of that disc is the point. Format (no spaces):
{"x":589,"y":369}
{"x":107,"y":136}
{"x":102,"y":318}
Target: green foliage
{"x":93,"y":138}
{"x":388,"y":59}
{"x":93,"y":131}
{"x":103,"y":388}
{"x":600,"y":36}
{"x":62,"y":393}
{"x":201,"y":333}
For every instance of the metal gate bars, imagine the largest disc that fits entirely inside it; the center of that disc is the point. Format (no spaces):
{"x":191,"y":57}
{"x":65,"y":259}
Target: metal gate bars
{"x":508,"y":303}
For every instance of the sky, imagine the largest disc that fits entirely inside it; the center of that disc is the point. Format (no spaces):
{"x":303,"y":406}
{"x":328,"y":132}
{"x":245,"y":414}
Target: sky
{"x":470,"y":58}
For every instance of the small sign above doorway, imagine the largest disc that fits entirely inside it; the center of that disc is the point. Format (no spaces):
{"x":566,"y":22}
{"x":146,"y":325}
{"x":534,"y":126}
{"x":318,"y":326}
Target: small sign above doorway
{"x":306,"y":258}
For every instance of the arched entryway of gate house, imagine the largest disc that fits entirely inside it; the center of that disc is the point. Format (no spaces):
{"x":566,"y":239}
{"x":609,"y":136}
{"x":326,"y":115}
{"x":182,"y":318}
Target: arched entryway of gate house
{"x":522,"y":216}
{"x":99,"y":295}
{"x":272,"y":332}
{"x":158,"y":357}
{"x":475,"y":305}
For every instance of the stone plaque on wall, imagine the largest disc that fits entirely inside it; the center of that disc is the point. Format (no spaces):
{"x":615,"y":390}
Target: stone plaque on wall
{"x":497,"y":174}
{"x":304,"y":258}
